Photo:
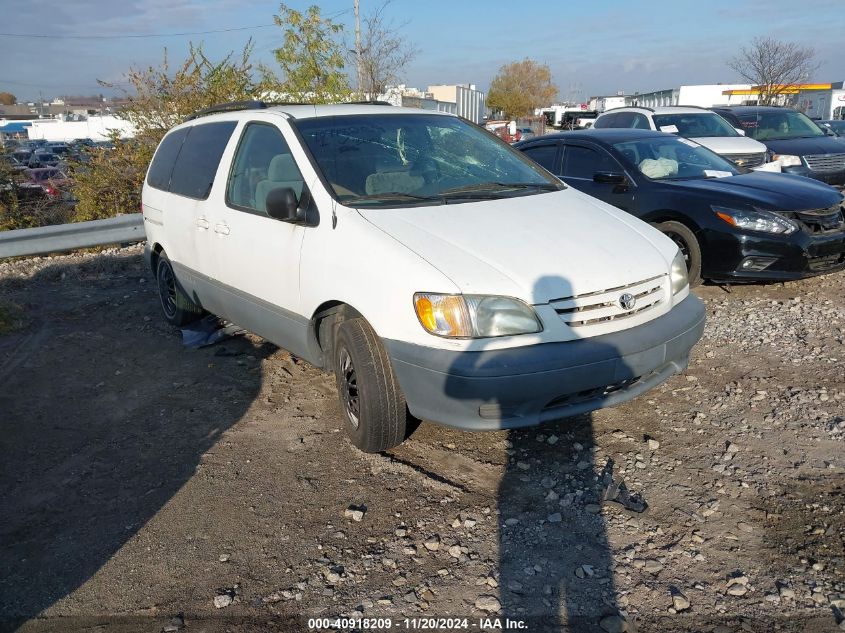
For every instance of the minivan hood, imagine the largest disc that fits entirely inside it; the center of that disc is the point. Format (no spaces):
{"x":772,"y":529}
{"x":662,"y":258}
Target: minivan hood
{"x":536,"y":248}
{"x":781,"y":192}
{"x":807,"y":146}
{"x":726,"y":145}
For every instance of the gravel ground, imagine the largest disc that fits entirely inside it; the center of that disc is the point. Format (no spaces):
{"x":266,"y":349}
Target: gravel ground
{"x":148,"y":487}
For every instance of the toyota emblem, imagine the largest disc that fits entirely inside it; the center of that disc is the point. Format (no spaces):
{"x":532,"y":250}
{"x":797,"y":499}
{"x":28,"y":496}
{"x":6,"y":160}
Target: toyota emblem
{"x":627,"y":301}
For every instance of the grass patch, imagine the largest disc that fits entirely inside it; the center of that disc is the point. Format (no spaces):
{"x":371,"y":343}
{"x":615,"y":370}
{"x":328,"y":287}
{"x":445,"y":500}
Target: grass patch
{"x":11,"y":318}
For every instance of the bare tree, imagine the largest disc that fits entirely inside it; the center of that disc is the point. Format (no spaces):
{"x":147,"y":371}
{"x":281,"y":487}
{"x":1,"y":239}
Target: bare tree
{"x":384,"y":52}
{"x":773,"y":66}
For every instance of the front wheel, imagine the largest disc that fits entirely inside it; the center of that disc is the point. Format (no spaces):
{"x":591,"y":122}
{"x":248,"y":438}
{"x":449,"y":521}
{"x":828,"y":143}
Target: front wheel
{"x":683,"y":236}
{"x":373,"y":404}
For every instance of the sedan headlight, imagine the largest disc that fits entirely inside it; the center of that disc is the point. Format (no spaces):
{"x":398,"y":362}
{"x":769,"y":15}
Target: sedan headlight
{"x":474,"y":316}
{"x":787,"y":160}
{"x":680,"y":277}
{"x":756,"y":220}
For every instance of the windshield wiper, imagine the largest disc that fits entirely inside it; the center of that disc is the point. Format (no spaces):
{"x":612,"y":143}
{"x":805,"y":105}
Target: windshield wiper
{"x":494,"y":189}
{"x":390,"y":195}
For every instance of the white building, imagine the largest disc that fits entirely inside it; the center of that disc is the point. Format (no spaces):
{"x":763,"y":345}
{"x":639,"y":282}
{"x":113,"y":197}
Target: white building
{"x":461,"y":99}
{"x":703,"y":96}
{"x":97,"y":128}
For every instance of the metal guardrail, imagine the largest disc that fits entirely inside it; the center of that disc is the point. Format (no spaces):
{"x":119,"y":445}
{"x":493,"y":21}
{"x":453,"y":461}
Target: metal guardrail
{"x":67,"y":237}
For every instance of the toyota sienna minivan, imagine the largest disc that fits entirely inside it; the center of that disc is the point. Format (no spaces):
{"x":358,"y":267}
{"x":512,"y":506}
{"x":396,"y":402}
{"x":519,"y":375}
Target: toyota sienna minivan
{"x":438,"y":273}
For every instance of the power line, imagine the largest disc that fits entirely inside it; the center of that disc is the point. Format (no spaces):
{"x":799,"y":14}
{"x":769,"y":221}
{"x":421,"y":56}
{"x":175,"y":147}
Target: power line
{"x":132,"y":36}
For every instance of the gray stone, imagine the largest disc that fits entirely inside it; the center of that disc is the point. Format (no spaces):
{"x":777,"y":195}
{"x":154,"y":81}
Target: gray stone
{"x":488,"y":603}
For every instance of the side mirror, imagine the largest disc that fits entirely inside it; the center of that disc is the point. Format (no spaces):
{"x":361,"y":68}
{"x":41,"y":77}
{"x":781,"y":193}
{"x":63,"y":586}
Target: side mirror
{"x":740,"y":131}
{"x":610,"y":178}
{"x":282,"y":204}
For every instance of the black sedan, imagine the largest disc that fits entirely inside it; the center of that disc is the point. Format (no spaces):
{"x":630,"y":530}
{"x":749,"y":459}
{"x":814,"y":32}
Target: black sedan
{"x":730,"y":223}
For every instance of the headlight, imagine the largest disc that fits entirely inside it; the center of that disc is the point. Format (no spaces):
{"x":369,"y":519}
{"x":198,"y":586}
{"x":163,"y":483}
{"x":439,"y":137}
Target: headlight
{"x":786,"y":160}
{"x":474,"y":316}
{"x":756,"y":220}
{"x":680,"y":279}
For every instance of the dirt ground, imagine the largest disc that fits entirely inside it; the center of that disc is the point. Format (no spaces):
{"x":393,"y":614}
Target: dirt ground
{"x":151,"y":487}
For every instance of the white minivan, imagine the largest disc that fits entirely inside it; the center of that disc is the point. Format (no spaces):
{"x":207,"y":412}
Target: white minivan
{"x":440,"y":274}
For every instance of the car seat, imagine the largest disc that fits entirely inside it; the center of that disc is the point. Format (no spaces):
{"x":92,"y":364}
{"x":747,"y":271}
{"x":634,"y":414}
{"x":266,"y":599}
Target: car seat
{"x":282,"y":172}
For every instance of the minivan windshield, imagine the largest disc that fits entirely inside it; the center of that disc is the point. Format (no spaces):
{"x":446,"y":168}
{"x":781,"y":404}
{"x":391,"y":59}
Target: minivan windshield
{"x":673,"y":158}
{"x":771,"y":125}
{"x":695,"y":124}
{"x":400,"y":160}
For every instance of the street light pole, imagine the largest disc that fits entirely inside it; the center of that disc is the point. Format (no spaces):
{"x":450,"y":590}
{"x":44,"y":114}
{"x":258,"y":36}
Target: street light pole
{"x":358,"y":49}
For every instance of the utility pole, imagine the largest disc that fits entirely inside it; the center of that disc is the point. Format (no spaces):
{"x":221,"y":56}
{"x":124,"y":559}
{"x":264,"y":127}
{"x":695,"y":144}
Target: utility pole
{"x":358,"y":49}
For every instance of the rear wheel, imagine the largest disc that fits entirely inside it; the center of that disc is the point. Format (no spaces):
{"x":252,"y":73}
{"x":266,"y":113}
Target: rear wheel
{"x":373,"y":404}
{"x":177,"y":307}
{"x":683,"y":236}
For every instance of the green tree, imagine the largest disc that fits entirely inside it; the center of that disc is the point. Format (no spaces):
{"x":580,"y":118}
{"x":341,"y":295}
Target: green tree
{"x":311,"y":57}
{"x":158,"y":98}
{"x":7,"y":98}
{"x":521,"y":87}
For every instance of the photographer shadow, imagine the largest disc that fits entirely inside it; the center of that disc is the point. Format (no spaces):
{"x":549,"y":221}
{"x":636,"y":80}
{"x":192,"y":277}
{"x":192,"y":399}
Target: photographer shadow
{"x":555,"y":560}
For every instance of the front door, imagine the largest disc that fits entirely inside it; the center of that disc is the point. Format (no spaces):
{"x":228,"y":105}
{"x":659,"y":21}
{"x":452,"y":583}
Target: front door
{"x":579,"y":166}
{"x":257,"y":257}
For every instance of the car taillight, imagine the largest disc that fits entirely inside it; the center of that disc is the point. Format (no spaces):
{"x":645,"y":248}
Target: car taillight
{"x":51,"y":190}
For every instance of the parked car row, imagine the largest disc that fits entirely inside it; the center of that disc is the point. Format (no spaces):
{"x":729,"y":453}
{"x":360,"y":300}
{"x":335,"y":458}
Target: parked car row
{"x":731,"y":224}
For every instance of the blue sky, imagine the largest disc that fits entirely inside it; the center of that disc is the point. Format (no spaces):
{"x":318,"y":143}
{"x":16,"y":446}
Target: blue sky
{"x":592,"y":48}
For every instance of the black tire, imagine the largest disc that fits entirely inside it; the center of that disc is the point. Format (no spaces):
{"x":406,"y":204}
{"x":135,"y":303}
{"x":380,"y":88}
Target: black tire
{"x":372,"y":403}
{"x":177,"y":307}
{"x":683,"y":236}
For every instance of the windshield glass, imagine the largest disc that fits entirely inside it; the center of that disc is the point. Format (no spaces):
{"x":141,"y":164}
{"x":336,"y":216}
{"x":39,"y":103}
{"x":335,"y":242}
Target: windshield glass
{"x":696,"y":124}
{"x":410,"y":159}
{"x":673,"y":158}
{"x":778,"y":125}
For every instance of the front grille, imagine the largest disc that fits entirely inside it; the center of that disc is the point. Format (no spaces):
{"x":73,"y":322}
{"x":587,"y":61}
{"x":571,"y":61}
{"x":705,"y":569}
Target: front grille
{"x":591,"y":394}
{"x":829,"y":220}
{"x":604,"y":305}
{"x":825,"y":162}
{"x":748,"y":160}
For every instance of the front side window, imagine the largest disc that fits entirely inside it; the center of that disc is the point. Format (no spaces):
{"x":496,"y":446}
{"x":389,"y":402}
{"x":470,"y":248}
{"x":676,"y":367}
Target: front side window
{"x":778,"y":125}
{"x":673,"y":158}
{"x":695,"y":125}
{"x":263,"y":162}
{"x":402,"y":160}
{"x":584,"y":162}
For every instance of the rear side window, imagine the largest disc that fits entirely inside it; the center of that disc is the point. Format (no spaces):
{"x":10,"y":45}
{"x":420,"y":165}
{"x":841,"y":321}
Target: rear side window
{"x":165,"y":158}
{"x":543,"y":154}
{"x":197,"y":162}
{"x":607,"y":120}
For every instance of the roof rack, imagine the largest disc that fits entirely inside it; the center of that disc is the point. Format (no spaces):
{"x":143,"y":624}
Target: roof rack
{"x":234,"y":106}
{"x":629,"y":106}
{"x":230,"y":106}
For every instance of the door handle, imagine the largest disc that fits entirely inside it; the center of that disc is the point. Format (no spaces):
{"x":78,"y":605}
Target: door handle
{"x":222,"y":228}
{"x":202,"y":223}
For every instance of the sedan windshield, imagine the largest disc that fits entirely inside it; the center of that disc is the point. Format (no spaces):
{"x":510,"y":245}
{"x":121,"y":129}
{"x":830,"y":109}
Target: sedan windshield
{"x":773,"y":125}
{"x":672,"y":158}
{"x":401,"y":160}
{"x":695,"y":125}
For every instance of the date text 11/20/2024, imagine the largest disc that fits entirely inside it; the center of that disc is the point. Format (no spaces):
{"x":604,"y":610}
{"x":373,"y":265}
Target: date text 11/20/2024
{"x":416,"y":624}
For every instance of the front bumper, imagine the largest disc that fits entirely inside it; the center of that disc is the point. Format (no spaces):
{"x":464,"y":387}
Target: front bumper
{"x":795,"y":256}
{"x":835,"y":178}
{"x":524,"y":386}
